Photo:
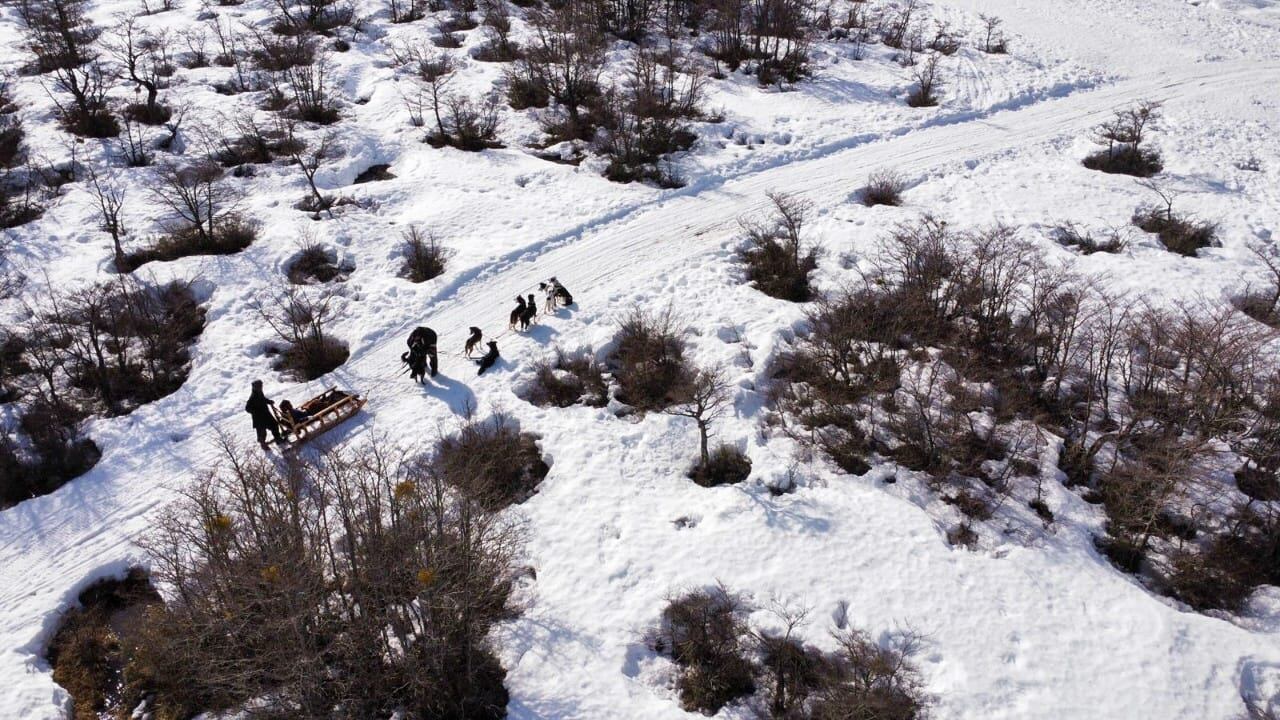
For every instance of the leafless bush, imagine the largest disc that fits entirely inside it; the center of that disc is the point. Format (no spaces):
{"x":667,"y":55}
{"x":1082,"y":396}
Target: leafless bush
{"x":265,"y":606}
{"x":1177,"y":232}
{"x":405,"y":11}
{"x":492,"y":462}
{"x":315,"y":263}
{"x":466,"y":124}
{"x":1123,"y":138}
{"x":778,"y":263}
{"x":648,"y":361}
{"x":1230,"y":566}
{"x":322,"y":17}
{"x":12,"y":134}
{"x":884,"y":187}
{"x":1263,"y":304}
{"x":1111,"y":240}
{"x":928,"y":82}
{"x":564,"y":62}
{"x":312,"y":93}
{"x":256,"y":143}
{"x":425,"y":257}
{"x":647,"y":120}
{"x":301,"y":321}
{"x":203,"y":219}
{"x":49,"y":452}
{"x":705,"y":633}
{"x":567,"y":379}
{"x":873,"y":681}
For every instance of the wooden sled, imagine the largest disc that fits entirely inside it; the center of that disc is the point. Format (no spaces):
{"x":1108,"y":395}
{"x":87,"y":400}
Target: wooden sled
{"x":325,"y":411}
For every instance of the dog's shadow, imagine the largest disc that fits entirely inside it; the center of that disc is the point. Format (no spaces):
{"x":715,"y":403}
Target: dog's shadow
{"x":457,"y":395}
{"x":541,"y":334}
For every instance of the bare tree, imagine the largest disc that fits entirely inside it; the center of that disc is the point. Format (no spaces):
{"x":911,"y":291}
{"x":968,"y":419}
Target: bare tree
{"x":707,"y":402}
{"x":142,"y":55}
{"x":110,"y":196}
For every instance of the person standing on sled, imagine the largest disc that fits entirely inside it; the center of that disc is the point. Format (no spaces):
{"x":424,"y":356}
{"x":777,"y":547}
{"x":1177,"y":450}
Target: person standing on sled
{"x":259,"y":408}
{"x":422,"y":349}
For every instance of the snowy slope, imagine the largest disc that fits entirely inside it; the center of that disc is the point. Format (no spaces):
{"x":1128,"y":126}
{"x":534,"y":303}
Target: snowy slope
{"x":1038,"y":628}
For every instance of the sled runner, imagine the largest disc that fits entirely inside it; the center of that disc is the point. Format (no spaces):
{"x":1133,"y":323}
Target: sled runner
{"x":323,"y":412}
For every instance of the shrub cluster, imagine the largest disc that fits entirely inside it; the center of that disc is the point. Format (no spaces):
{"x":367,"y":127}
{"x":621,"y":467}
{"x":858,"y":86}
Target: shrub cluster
{"x":301,"y":322}
{"x":567,"y":379}
{"x":425,"y":257}
{"x":265,"y":607}
{"x":957,"y":347}
{"x":721,"y":661}
{"x":778,"y":262}
{"x":648,"y":362}
{"x":492,"y":462}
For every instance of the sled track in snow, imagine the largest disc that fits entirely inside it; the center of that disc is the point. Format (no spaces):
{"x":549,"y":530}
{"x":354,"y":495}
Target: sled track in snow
{"x":82,"y":531}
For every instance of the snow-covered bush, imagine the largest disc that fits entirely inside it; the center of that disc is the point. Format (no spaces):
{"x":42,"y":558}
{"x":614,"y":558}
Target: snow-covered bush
{"x":705,"y":633}
{"x":648,"y":361}
{"x":491,"y":462}
{"x":425,"y":256}
{"x":567,"y":379}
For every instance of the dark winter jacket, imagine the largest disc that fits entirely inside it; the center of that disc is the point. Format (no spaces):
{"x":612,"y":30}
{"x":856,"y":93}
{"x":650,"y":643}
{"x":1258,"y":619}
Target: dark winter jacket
{"x":422,"y":335}
{"x":259,"y":408}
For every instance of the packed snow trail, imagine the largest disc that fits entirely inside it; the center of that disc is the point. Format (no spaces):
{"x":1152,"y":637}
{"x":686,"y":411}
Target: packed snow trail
{"x":52,"y":546}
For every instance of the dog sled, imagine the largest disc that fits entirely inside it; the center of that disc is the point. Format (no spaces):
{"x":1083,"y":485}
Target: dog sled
{"x":320,"y":414}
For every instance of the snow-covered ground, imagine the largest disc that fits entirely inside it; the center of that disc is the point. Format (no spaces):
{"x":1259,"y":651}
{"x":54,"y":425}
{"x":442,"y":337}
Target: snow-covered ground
{"x":1036,"y":627}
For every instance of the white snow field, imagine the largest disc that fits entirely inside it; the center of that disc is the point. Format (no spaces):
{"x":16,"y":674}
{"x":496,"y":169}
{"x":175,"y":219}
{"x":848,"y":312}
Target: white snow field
{"x":1033,"y":624}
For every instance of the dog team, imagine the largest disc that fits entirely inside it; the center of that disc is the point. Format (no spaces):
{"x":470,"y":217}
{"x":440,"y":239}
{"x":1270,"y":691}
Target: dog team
{"x":422,"y":357}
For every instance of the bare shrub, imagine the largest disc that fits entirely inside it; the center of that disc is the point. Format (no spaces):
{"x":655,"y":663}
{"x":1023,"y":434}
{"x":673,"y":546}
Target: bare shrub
{"x":563,"y":61}
{"x":466,"y":124}
{"x":1111,"y":240}
{"x":255,"y":143}
{"x":122,"y":343}
{"x":648,"y":119}
{"x":1263,"y":304}
{"x":1123,"y":138}
{"x":566,"y":380}
{"x":265,"y":606}
{"x":1178,"y":233}
{"x":928,"y":82}
{"x":873,"y":681}
{"x":778,"y":263}
{"x":1224,"y":573}
{"x":884,"y":187}
{"x":301,"y":322}
{"x":648,"y":361}
{"x":492,"y":462}
{"x":405,"y":11}
{"x":54,"y":451}
{"x":705,"y":632}
{"x":425,"y":257}
{"x":315,"y":263}
{"x":86,"y":652}
{"x":12,"y":134}
{"x":203,"y":220}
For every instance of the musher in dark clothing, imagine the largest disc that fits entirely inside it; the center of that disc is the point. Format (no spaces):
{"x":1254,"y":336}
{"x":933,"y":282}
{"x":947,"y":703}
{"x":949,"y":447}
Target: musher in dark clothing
{"x":259,"y":408}
{"x":422,"y":349}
